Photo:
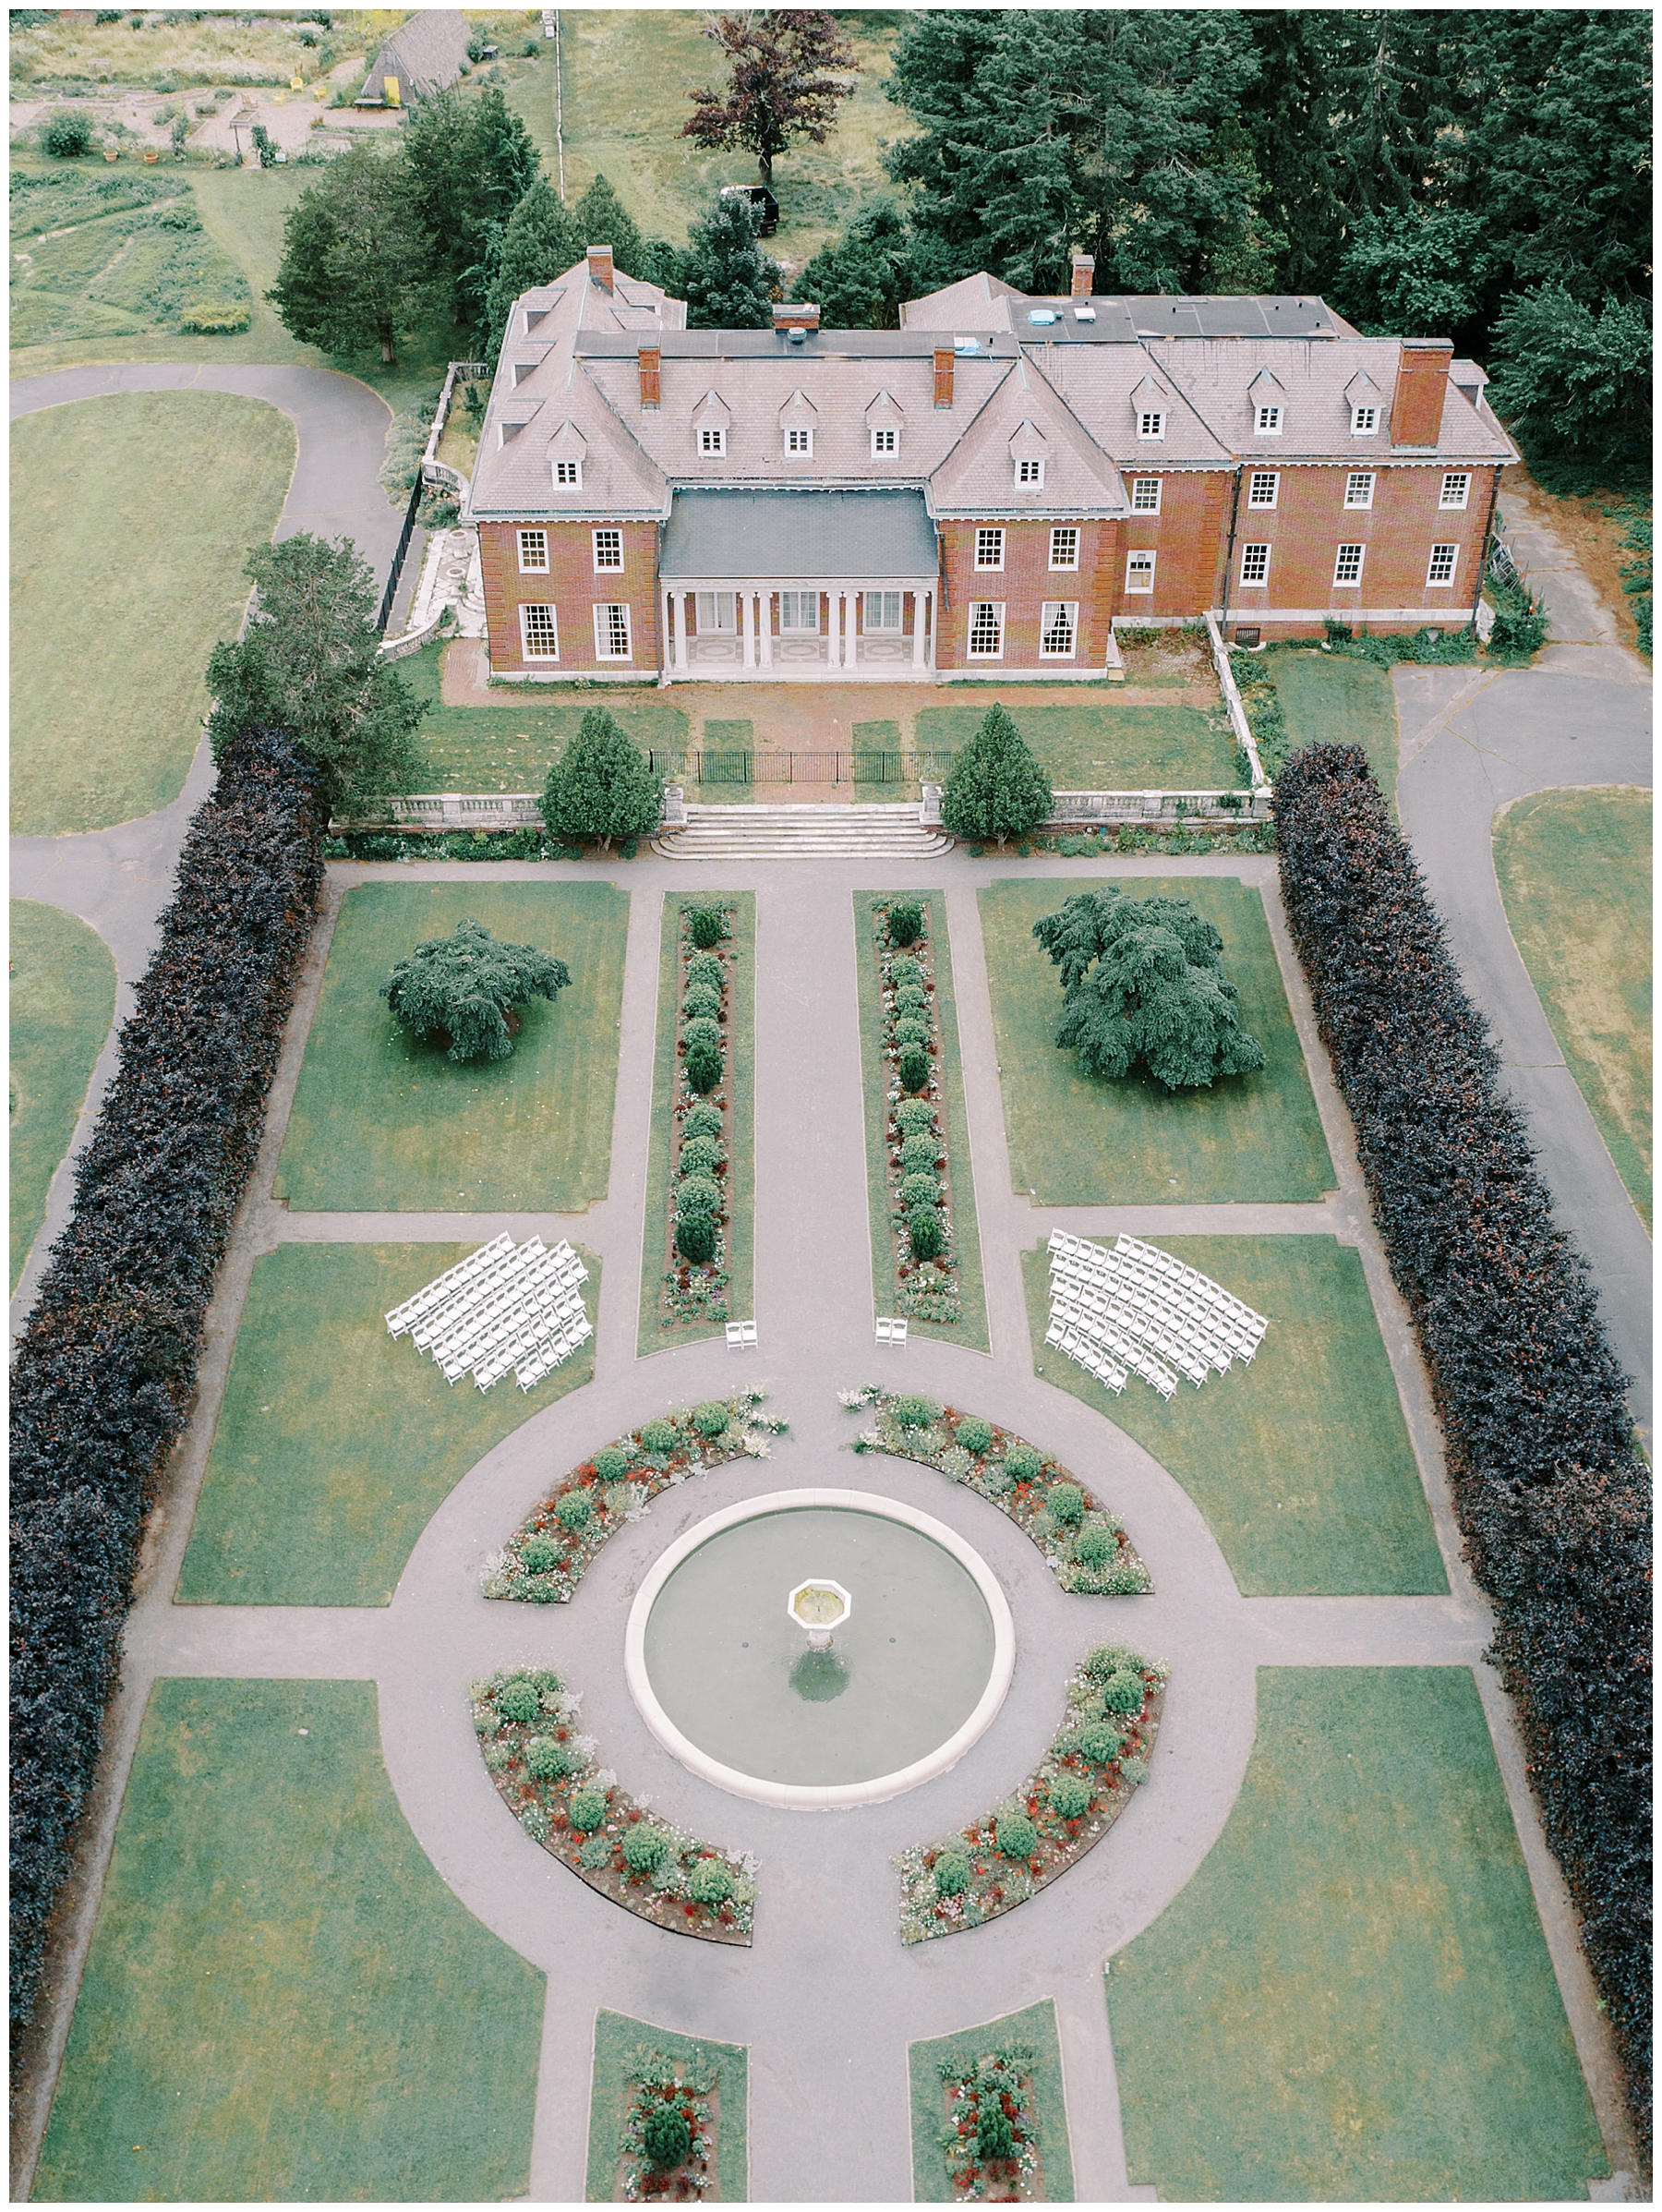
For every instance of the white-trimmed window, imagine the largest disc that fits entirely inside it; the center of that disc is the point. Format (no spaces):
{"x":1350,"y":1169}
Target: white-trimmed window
{"x":608,"y":551}
{"x":1065,"y":546}
{"x":1269,"y":422}
{"x":1030,"y":473}
{"x":569,"y":474}
{"x":534,"y":552}
{"x":1359,"y":488}
{"x":1263,"y":488}
{"x":798,"y":612}
{"x":1440,"y":568}
{"x":1151,"y":422}
{"x":1139,"y":572}
{"x":1057,"y":628}
{"x":1144,"y":495}
{"x":611,"y":633}
{"x":1347,"y":565}
{"x":1456,"y":489}
{"x":881,"y":611}
{"x":1254,"y":564}
{"x":715,"y":611}
{"x":539,"y":633}
{"x":712,"y":438}
{"x":1365,"y":421}
{"x":799,"y":441}
{"x":989,"y":548}
{"x":884,"y":441}
{"x":986,"y":629}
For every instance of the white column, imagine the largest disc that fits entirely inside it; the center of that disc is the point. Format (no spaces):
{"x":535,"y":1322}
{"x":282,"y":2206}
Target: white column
{"x":682,"y":660}
{"x":747,"y":620}
{"x":765,"y":632}
{"x":843,"y":639}
{"x":919,"y":600}
{"x":666,"y":631}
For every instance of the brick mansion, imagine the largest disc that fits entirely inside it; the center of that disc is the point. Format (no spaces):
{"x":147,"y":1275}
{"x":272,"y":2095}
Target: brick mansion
{"x":989,"y":490}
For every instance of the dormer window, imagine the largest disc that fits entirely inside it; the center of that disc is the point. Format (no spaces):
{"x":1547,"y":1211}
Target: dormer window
{"x":884,"y":441}
{"x":1151,"y":422}
{"x":1268,"y":422}
{"x":567,"y":474}
{"x":1030,"y":473}
{"x":799,"y":441}
{"x":713,"y":440}
{"x":1365,"y":421}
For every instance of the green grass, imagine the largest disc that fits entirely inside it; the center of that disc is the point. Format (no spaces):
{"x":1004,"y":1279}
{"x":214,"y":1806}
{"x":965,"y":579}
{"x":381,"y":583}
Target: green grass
{"x":1079,"y":1140}
{"x":97,"y":274}
{"x":1574,"y":869}
{"x":1091,"y":746}
{"x":284,"y":2001}
{"x":336,"y":1444}
{"x":973,"y":1300}
{"x":740,"y":1082}
{"x":1329,"y":699}
{"x":196,"y":479}
{"x":617,"y":2038}
{"x":1352,"y":1998}
{"x":63,"y":997}
{"x":384,"y":1121}
{"x":1301,"y":1462}
{"x":1036,"y":2026}
{"x":511,"y":747}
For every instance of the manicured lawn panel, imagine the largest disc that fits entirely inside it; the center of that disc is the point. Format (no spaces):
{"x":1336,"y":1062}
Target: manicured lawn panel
{"x":1574,"y":869}
{"x":973,"y":1300}
{"x":617,"y":2038}
{"x":384,"y":1121}
{"x":740,"y":1080}
{"x":511,"y":747}
{"x":1036,"y":2026}
{"x":1352,"y":1998}
{"x":1329,"y":699}
{"x":63,"y":998}
{"x":1076,"y":1141}
{"x":1301,"y":1462}
{"x":336,"y":1442}
{"x":282,"y":1999}
{"x":1100,"y":745}
{"x":196,"y":479}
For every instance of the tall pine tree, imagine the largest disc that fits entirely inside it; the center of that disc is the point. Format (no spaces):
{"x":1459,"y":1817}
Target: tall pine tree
{"x":995,"y":788}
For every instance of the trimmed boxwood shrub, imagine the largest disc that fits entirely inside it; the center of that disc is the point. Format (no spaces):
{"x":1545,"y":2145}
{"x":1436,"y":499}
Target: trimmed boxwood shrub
{"x":696,"y":1195}
{"x":705,"y":973}
{"x":700,"y":1005}
{"x":904,"y":970}
{"x":925,"y":1233}
{"x":665,"y":2135}
{"x":914,"y":1116}
{"x":919,"y":1155}
{"x":701,"y":1121}
{"x":575,"y":1509}
{"x":994,"y":2137}
{"x":1021,"y":1462}
{"x":696,"y":1238}
{"x":916,"y":1412}
{"x":644,"y":1848}
{"x":707,"y":926}
{"x":700,"y":1030}
{"x":699,"y":1156}
{"x":1017,"y":1838}
{"x":105,"y":1370}
{"x":658,"y":1436}
{"x":914,"y":1068}
{"x":711,"y":1418}
{"x":709,"y":1883}
{"x":519,"y":1701}
{"x":952,"y":1874}
{"x":587,"y":1809}
{"x":923,"y":1188}
{"x":905,"y":922}
{"x":1124,"y":1693}
{"x":911,"y":998}
{"x":1067,"y":1503}
{"x":550,"y":1760}
{"x":1070,"y":1798}
{"x":702,"y":1064}
{"x":1100,"y":1743}
{"x":974,"y":1433}
{"x":1552,"y":1498}
{"x":1094,"y":1545}
{"x":910,"y":1030}
{"x":540,"y":1554}
{"x":611,"y":1464}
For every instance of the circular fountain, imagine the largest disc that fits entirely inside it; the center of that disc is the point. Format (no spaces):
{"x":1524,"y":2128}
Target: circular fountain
{"x":819,"y":1647}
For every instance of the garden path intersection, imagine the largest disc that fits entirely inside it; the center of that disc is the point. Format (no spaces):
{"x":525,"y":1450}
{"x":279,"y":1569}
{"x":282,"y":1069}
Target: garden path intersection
{"x":826,"y":1919}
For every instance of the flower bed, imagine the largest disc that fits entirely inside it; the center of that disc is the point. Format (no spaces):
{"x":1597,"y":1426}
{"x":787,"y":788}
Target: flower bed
{"x":661,"y":2092}
{"x":1084,"y":1782}
{"x":701,"y":1136}
{"x":991,"y":2141}
{"x":915,"y":1118}
{"x":1085,"y":1543}
{"x":546,"y":1773}
{"x":545,"y":1559}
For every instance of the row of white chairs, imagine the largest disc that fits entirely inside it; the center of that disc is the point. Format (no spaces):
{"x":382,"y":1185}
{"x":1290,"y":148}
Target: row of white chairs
{"x":1138,"y":1310}
{"x":1187,"y":1286}
{"x":506,"y":1306}
{"x":527,"y":1300}
{"x":449,"y":1285}
{"x":1107,"y":1352}
{"x":1191,"y":1349}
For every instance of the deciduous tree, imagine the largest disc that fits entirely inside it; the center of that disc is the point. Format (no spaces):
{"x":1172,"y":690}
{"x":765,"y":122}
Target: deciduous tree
{"x":1575,"y":385}
{"x":357,"y":256}
{"x":780,"y":85}
{"x":601,"y":786}
{"x":464,"y":986}
{"x":995,"y":788}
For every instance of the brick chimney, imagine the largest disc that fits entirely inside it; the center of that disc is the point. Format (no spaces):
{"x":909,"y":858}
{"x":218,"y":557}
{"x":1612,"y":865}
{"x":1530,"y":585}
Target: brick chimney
{"x":600,"y":267}
{"x":804,"y":316}
{"x":1422,"y":380}
{"x":651,"y":360}
{"x":942,"y":368}
{"x":1084,"y":268}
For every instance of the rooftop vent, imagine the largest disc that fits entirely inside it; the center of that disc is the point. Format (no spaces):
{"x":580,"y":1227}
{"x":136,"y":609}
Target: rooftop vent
{"x":1042,"y":315}
{"x":1084,"y":314}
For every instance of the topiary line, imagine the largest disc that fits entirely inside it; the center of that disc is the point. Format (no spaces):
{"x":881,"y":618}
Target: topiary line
{"x":916,"y":1164}
{"x":695,"y":1270}
{"x":1096,"y":1760}
{"x":547,"y":1555}
{"x":1086,"y":1544}
{"x":545,"y":1773}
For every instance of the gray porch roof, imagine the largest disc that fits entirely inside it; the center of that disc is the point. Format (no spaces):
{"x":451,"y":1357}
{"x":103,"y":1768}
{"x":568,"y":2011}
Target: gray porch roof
{"x":810,"y":536}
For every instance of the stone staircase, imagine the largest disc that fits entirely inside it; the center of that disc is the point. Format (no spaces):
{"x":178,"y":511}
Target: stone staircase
{"x":830,"y":832}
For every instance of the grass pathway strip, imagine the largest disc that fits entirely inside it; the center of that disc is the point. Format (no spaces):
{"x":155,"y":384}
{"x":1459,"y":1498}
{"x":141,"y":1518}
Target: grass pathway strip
{"x":1105,"y":746}
{"x":622,"y":2049}
{"x":1076,"y":1140}
{"x":336,"y":1442}
{"x":1352,"y":1998}
{"x":1300,"y":1462}
{"x":283,"y":1999}
{"x":1034,"y":2028}
{"x":385,"y":1122}
{"x":63,"y":999}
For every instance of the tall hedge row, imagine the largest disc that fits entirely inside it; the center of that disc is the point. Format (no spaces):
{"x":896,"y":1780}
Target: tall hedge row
{"x":1552,"y":1497}
{"x":105,"y":1370}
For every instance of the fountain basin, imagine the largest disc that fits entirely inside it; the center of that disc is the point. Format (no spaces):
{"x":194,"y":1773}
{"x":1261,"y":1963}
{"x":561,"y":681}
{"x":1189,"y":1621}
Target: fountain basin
{"x":923,"y":1653}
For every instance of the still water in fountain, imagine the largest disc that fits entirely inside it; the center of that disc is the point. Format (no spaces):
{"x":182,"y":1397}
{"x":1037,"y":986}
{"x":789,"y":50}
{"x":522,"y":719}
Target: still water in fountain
{"x":902,"y":1675}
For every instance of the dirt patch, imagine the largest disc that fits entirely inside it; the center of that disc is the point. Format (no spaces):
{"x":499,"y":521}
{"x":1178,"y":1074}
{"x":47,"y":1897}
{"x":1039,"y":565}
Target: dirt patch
{"x":1594,"y":536}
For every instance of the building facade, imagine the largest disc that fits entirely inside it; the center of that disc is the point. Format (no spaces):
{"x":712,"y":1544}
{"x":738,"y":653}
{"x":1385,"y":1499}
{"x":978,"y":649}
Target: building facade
{"x":988,"y":491}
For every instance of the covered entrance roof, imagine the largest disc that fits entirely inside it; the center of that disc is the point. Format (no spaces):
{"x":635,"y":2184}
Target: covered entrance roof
{"x":810,"y":536}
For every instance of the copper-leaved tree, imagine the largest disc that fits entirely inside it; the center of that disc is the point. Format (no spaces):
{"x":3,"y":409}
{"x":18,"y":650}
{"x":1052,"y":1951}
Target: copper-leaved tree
{"x":779,"y":85}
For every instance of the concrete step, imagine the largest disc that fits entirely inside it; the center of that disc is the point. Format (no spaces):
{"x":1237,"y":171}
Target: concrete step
{"x":787,"y":833}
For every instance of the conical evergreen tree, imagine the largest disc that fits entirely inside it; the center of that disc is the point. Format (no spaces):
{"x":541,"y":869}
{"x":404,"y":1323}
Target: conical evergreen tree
{"x":541,"y":239}
{"x":604,"y":221}
{"x":601,"y":786}
{"x":995,"y":788}
{"x":731,"y":283}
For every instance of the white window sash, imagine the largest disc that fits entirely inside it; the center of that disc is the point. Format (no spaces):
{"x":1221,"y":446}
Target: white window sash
{"x":527,"y":649}
{"x":534,"y":552}
{"x":884,"y":441}
{"x":1064,"y":548}
{"x":716,"y":611}
{"x":604,"y":650}
{"x":1449,"y":562}
{"x":1140,"y":486}
{"x":1139,"y":572}
{"x":1453,"y":500}
{"x":1360,"y":490}
{"x":711,"y":440}
{"x":1363,"y":429}
{"x":988,"y":542}
{"x":1058,"y":618}
{"x":1261,"y":564}
{"x":1261,"y":477}
{"x":1149,"y":423}
{"x":799,"y":613}
{"x":994,"y":610}
{"x":605,"y":541}
{"x":881,"y":611}
{"x":574,"y":482}
{"x":1344,"y":583}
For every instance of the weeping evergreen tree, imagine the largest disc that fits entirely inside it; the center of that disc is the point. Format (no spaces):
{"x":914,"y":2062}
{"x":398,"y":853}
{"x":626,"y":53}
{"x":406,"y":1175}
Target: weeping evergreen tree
{"x":1143,"y":979}
{"x":995,"y":788}
{"x":602,"y":785}
{"x":466,"y":986}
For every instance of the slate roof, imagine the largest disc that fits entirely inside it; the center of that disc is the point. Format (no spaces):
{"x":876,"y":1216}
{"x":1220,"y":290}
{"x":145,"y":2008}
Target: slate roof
{"x":1024,"y":412}
{"x":818,"y":536}
{"x":424,"y":54}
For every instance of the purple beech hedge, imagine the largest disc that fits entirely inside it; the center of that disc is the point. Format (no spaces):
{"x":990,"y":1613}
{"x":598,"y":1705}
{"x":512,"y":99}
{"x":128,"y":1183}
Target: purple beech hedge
{"x":105,"y":1370}
{"x":1552,"y":1497}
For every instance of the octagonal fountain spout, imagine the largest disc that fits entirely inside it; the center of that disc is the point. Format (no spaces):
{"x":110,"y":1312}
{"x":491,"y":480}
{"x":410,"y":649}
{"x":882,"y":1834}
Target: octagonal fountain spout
{"x":818,"y":1607}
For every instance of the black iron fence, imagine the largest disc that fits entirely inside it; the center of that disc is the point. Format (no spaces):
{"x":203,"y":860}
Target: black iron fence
{"x":705,"y":767}
{"x":385,"y":616}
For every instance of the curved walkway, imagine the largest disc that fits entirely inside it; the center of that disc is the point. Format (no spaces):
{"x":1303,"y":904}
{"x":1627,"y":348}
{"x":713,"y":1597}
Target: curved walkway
{"x":119,"y":880}
{"x":826,"y":1923}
